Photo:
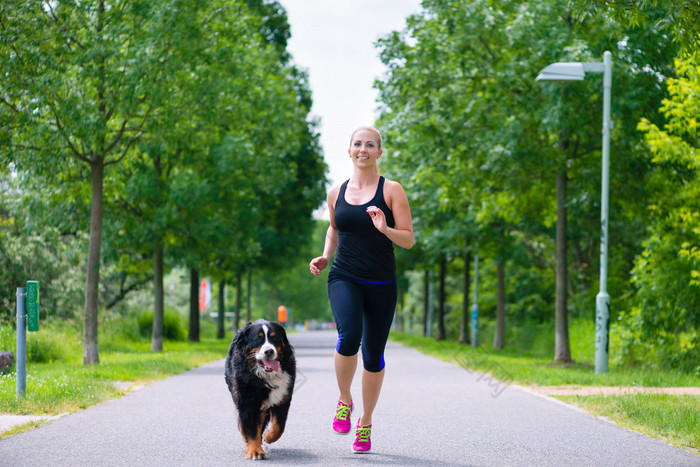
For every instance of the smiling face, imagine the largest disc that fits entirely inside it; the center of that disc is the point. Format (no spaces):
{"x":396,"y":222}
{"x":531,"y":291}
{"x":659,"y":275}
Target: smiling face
{"x":365,"y":147}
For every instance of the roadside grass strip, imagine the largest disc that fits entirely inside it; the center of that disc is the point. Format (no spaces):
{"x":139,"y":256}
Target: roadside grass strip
{"x":674,"y":419}
{"x":65,"y":386}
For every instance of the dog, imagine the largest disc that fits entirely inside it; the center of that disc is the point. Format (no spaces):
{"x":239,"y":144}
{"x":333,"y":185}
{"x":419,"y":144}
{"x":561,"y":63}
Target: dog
{"x":260,"y":372}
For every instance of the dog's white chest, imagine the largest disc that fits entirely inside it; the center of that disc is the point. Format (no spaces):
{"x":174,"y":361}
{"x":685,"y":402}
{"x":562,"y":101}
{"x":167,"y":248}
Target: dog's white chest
{"x":278,"y":383}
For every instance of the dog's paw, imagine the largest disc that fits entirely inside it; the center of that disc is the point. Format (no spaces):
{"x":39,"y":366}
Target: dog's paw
{"x":256,"y":454}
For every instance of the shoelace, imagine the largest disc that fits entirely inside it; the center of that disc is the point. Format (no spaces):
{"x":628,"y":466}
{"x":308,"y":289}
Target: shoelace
{"x":342,"y":411}
{"x":363,"y":433}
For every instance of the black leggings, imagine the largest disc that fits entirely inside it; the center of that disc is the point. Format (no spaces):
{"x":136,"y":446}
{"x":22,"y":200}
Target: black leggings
{"x":363,"y":314}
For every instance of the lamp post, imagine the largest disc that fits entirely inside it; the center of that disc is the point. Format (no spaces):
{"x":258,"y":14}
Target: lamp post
{"x":577,"y":72}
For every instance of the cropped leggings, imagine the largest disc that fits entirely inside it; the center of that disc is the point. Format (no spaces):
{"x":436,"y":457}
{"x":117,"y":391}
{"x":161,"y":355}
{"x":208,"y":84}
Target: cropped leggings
{"x":363,"y":314}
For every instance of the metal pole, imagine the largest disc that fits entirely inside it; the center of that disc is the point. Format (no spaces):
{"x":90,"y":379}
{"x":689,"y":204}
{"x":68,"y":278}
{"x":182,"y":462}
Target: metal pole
{"x":602,"y":314}
{"x":21,"y":342}
{"x":475,"y":306}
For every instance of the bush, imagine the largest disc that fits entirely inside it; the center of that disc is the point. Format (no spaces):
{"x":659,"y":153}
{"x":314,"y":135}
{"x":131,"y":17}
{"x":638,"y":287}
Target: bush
{"x":44,"y":347}
{"x":173,"y":327}
{"x":51,"y":343}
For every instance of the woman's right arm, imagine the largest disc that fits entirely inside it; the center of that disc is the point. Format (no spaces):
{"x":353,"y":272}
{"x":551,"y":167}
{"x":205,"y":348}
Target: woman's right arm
{"x":320,"y":263}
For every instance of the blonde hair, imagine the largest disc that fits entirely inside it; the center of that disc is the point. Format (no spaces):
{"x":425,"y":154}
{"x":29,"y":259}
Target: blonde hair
{"x":376,"y":133}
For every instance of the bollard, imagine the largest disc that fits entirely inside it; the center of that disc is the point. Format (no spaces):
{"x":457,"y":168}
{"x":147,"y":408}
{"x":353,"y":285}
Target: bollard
{"x":21,"y":342}
{"x":475,"y":306}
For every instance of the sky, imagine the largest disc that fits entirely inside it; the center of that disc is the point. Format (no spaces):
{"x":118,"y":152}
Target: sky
{"x":334,"y":41}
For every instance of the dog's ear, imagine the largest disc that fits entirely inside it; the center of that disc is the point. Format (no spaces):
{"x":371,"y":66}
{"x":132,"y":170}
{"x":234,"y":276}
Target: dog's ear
{"x":279,"y":329}
{"x":239,"y":340}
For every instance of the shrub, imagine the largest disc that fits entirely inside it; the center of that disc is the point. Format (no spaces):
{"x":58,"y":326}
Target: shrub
{"x":44,"y":347}
{"x":173,"y":327}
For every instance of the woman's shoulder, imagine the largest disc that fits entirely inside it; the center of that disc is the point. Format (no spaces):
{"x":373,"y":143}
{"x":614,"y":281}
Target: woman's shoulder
{"x":392,"y":187}
{"x":332,"y":194}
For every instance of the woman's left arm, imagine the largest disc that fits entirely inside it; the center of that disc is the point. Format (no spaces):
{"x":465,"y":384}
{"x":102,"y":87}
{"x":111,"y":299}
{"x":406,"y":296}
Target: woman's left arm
{"x":396,"y":199}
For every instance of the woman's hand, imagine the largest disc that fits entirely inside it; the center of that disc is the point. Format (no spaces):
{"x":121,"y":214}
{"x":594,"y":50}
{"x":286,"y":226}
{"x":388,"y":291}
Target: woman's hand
{"x":317,"y":265}
{"x":378,"y":218}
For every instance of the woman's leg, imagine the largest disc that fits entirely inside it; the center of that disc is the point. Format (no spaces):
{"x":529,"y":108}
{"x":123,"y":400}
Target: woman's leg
{"x":380,"y":304}
{"x":371,"y":387}
{"x":346,"y":303}
{"x":344,"y":372}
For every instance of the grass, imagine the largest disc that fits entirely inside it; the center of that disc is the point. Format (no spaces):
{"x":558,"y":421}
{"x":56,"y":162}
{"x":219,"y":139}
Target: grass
{"x":531,"y":368}
{"x":670,"y":418}
{"x":673,"y":419}
{"x":63,"y":384}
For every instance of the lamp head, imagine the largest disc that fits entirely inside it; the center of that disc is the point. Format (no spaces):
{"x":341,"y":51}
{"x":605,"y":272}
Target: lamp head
{"x":571,"y":71}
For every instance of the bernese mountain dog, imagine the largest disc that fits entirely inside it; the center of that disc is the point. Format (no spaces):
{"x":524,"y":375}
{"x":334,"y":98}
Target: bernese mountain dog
{"x":260,"y":373}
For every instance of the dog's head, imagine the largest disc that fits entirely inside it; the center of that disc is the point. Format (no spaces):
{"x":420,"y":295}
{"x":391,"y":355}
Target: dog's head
{"x":264,"y":345}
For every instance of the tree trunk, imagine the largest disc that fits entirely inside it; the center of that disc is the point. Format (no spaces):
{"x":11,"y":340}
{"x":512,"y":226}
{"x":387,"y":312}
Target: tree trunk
{"x":158,"y":311}
{"x":221,"y":318}
{"x":248,"y":312}
{"x":400,"y":306}
{"x":561,"y":325}
{"x":194,"y":306}
{"x":426,"y":302}
{"x":441,"y":305}
{"x":91,"y":352}
{"x":238,"y":299}
{"x":499,"y":338}
{"x":464,"y":325}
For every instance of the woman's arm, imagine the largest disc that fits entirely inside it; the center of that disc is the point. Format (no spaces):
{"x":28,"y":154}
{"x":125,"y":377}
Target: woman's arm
{"x":397,"y":201}
{"x":320,"y":263}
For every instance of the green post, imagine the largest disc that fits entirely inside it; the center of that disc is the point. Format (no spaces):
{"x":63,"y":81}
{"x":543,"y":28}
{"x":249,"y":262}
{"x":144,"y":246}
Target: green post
{"x":32,"y":306}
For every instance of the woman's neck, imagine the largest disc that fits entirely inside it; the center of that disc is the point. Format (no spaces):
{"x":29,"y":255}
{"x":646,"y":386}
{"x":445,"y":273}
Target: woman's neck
{"x":363,"y":178}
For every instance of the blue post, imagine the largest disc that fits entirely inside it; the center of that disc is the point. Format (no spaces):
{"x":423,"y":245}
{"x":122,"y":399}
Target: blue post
{"x":475,"y":306}
{"x":21,"y":342}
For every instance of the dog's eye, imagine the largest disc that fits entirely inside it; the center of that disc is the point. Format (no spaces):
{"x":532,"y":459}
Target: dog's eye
{"x":272,"y":334}
{"x":260,"y":334}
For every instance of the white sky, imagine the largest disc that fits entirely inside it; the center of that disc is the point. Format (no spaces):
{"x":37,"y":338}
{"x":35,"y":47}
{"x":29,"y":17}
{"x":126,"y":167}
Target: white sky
{"x":334,"y":41}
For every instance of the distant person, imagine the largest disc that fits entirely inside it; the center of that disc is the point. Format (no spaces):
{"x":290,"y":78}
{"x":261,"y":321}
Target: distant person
{"x":368,"y":214}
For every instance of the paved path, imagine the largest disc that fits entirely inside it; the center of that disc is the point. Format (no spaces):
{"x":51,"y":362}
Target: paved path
{"x":430,"y":413}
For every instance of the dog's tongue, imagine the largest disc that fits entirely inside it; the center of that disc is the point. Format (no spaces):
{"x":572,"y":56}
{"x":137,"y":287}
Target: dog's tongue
{"x":273,"y":365}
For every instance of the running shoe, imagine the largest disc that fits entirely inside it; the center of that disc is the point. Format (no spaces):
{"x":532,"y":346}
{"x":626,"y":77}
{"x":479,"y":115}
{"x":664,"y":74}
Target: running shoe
{"x":341,"y":421}
{"x":362,"y":442}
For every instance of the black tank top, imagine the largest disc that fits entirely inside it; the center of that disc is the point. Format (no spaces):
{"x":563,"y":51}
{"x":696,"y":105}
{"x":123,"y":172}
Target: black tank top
{"x":364,"y":253}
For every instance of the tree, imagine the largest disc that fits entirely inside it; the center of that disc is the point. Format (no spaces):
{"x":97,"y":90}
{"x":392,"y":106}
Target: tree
{"x":680,"y":17}
{"x":667,"y":273}
{"x":486,"y":147}
{"x":81,"y":81}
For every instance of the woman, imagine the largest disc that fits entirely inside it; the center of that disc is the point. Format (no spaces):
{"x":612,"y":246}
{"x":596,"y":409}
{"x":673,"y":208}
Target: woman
{"x":368,"y":214}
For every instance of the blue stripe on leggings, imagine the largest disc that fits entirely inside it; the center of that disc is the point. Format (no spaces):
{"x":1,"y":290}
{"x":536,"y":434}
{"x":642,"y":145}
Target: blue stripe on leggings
{"x":376,"y":282}
{"x":340,"y":337}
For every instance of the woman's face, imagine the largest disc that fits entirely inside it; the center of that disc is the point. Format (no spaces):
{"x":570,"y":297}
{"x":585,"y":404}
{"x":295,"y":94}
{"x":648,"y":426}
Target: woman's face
{"x":364,"y":148}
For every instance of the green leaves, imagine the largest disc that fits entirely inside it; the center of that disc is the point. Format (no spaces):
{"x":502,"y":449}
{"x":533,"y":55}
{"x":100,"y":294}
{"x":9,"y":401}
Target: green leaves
{"x":667,"y":273}
{"x":183,"y":114}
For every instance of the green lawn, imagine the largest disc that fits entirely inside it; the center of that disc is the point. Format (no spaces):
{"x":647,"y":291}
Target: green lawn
{"x":66,"y":385}
{"x":673,"y":419}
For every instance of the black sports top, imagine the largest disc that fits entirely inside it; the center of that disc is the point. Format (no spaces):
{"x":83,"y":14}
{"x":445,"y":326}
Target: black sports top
{"x":364,"y":253}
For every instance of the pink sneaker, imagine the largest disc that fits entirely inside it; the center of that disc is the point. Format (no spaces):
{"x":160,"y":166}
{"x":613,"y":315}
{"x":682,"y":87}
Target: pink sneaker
{"x":362,"y":442}
{"x":341,"y":421}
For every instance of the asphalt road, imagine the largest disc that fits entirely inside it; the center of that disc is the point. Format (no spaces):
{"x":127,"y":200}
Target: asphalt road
{"x":430,"y":413}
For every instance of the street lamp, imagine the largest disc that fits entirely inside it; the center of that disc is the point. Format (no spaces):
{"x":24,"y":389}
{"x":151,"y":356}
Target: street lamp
{"x":577,"y":72}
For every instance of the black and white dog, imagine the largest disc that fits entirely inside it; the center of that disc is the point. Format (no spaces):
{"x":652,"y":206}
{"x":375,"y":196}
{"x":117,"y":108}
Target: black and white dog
{"x":260,"y":373}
